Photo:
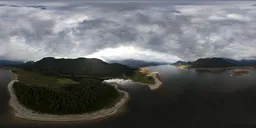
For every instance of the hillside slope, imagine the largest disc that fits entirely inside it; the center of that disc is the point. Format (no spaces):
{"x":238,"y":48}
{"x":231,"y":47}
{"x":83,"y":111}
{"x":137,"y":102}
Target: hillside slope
{"x":81,"y":66}
{"x":212,"y":62}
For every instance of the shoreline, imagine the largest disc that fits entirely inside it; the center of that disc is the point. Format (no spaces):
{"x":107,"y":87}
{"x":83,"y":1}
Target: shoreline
{"x":239,"y":72}
{"x":22,"y":112}
{"x":224,"y":68}
{"x":157,"y":81}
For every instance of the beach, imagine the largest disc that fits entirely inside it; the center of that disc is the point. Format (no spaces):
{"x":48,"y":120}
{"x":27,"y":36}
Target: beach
{"x":157,"y":81}
{"x":239,"y":72}
{"x":22,"y":112}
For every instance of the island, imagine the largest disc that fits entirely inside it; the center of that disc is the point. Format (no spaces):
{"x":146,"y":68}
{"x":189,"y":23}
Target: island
{"x":42,"y":91}
{"x":144,"y":77}
{"x":239,"y":72}
{"x":215,"y":64}
{"x":35,"y":102}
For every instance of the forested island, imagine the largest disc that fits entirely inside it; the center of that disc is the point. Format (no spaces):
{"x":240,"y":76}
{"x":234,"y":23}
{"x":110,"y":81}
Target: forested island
{"x":69,"y":99}
{"x":218,"y":65}
{"x":49,"y":90}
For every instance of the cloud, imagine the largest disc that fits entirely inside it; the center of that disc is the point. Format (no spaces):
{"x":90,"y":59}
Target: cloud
{"x":154,"y":32}
{"x":122,"y":52}
{"x":118,"y":81}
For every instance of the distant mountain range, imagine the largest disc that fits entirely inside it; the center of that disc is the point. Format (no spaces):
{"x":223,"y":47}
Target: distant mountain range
{"x":181,"y":63}
{"x":97,"y":67}
{"x":217,"y":62}
{"x":138,"y":63}
{"x":10,"y":62}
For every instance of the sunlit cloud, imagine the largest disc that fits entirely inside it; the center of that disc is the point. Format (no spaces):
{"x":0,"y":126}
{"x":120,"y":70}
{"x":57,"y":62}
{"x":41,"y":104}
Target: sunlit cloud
{"x":130,"y":52}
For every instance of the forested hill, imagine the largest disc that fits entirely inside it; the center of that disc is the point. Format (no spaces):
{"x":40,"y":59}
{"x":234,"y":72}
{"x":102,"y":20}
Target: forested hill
{"x":79,"y":66}
{"x":181,"y":63}
{"x":217,"y":62}
{"x":212,"y":62}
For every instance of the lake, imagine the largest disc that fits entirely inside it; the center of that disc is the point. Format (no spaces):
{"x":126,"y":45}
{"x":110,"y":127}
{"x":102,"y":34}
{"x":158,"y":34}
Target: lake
{"x":187,"y":98}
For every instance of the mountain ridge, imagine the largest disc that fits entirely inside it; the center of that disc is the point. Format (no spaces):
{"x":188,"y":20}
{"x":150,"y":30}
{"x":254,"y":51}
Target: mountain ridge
{"x":138,"y":63}
{"x":78,"y":66}
{"x":215,"y":62}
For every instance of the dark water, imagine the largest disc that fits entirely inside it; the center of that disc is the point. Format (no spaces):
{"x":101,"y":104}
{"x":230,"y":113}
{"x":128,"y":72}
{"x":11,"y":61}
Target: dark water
{"x":5,"y":78}
{"x":186,"y":99}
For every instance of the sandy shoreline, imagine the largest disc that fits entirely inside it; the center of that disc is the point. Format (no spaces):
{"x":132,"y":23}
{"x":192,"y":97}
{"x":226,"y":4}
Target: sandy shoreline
{"x":22,"y":112}
{"x":157,"y":83}
{"x":239,"y":72}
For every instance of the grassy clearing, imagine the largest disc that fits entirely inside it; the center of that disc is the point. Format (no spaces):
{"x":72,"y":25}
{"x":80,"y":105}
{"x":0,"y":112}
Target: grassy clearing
{"x":63,"y":81}
{"x":33,"y":78}
{"x":141,"y":76}
{"x":183,"y":66}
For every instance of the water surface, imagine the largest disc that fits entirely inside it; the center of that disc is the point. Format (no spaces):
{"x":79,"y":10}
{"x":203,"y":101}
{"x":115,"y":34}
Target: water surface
{"x":187,"y":98}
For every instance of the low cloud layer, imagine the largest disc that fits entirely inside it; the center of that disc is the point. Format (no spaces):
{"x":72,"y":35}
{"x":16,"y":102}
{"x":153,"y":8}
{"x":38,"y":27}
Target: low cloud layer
{"x":154,"y":32}
{"x":118,"y":81}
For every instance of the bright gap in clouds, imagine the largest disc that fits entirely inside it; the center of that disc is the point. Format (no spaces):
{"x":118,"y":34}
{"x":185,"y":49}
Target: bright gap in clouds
{"x":130,"y":52}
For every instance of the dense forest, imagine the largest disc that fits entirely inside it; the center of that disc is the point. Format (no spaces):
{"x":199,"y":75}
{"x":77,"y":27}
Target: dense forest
{"x":70,"y":99}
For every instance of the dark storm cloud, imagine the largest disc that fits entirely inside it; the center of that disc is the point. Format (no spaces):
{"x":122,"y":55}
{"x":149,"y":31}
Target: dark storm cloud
{"x":40,"y":7}
{"x":127,"y":30}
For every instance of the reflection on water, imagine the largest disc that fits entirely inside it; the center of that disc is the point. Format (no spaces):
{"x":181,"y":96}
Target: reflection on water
{"x":5,"y":78}
{"x":186,"y":98}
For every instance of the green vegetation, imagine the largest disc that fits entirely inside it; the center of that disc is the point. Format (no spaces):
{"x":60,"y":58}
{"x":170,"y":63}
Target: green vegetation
{"x":72,"y":99}
{"x":33,"y":78}
{"x":70,"y":86}
{"x":142,"y":78}
{"x":64,"y":81}
{"x":184,"y":66}
{"x":58,"y":95}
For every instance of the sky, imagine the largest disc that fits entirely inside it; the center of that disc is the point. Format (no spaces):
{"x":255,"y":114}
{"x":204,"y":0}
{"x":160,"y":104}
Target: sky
{"x":115,"y":30}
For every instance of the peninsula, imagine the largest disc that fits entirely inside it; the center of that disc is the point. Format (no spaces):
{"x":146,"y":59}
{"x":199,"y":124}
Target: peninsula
{"x":40,"y":93}
{"x":150,"y":79}
{"x":23,"y":112}
{"x":239,"y":72}
{"x":218,"y":65}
